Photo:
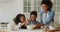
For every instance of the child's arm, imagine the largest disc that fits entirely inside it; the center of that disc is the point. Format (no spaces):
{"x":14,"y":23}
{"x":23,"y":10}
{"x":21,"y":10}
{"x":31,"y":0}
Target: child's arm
{"x":21,"y":24}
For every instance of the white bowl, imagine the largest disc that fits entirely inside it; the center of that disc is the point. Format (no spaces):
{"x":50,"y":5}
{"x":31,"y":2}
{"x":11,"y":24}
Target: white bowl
{"x":30,"y":26}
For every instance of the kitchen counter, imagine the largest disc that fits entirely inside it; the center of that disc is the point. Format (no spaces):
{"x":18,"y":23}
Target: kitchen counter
{"x":23,"y":30}
{"x":55,"y":30}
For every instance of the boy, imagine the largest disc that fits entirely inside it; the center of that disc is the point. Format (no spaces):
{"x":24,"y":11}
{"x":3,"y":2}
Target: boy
{"x":32,"y":20}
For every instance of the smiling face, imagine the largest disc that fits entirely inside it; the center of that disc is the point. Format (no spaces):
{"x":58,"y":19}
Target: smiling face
{"x":22,"y":19}
{"x":33,"y":17}
{"x":45,"y":7}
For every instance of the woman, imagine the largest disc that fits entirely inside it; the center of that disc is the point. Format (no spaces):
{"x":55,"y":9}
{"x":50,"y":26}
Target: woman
{"x":20,"y":21}
{"x":47,"y":15}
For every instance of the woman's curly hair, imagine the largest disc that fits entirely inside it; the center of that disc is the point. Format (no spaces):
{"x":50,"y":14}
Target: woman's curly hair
{"x":48,"y":3}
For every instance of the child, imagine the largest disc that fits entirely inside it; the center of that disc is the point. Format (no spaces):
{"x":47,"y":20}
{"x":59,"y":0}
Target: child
{"x":20,"y":21}
{"x":32,"y":20}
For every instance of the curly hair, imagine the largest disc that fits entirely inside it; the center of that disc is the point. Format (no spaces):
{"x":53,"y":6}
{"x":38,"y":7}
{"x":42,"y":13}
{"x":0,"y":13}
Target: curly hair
{"x":16,"y":19}
{"x":48,"y":3}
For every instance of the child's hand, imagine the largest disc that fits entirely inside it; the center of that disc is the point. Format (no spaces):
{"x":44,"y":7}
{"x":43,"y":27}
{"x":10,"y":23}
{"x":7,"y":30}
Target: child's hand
{"x":28,"y":19}
{"x":26,"y":22}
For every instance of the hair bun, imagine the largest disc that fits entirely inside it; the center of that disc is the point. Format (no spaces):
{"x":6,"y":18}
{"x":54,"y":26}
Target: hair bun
{"x":47,"y":0}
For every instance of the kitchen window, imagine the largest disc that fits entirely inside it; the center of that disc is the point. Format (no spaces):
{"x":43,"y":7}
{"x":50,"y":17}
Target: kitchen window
{"x":31,"y":5}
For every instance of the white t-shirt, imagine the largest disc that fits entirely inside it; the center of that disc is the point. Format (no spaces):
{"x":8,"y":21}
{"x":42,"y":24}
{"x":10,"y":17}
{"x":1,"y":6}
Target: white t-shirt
{"x":13,"y":26}
{"x":44,"y":17}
